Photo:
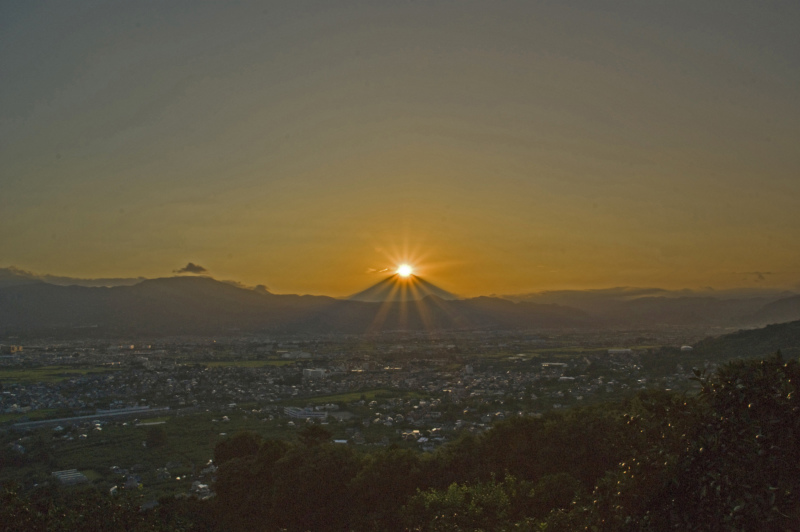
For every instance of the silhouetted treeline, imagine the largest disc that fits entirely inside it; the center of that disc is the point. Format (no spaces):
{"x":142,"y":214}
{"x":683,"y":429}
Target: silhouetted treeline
{"x":727,"y":458}
{"x":51,"y":507}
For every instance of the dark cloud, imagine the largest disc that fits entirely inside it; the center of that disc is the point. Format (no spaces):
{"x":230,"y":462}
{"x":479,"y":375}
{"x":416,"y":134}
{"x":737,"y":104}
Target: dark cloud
{"x":757,"y":276}
{"x":237,"y":284}
{"x":192,"y":268}
{"x":261,"y":289}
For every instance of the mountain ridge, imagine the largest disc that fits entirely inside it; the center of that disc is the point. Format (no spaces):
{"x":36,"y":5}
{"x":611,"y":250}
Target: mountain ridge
{"x":398,"y":288}
{"x":201,"y":305}
{"x":204,"y":306}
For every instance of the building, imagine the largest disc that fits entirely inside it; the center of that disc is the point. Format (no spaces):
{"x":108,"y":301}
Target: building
{"x":70,"y":476}
{"x":10,"y":349}
{"x":303,"y":413}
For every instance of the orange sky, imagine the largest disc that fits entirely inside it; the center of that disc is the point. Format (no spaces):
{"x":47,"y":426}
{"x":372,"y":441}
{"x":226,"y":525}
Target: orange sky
{"x":505,"y":147}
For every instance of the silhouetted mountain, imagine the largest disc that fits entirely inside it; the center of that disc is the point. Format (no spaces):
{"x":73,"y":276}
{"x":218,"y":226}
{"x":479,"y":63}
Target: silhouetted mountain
{"x":754,"y":342}
{"x":201,"y":305}
{"x":432,"y":313}
{"x":637,"y":307}
{"x":12,"y":275}
{"x":684,"y":311}
{"x":780,"y":311}
{"x":397,"y":288}
{"x":195,"y":305}
{"x":581,"y":298}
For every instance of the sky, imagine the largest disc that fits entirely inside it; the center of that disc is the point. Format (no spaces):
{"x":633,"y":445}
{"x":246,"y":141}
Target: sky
{"x":499,"y":147}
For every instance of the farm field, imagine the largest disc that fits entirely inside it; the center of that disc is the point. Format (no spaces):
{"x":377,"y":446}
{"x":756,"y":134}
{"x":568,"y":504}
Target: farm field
{"x":247,"y":363}
{"x":48,"y":374}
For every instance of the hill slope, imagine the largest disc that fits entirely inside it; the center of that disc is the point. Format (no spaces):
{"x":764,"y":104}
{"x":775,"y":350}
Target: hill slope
{"x":753,"y":342}
{"x":780,"y":311}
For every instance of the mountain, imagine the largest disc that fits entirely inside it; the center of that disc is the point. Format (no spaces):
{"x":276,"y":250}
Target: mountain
{"x":204,"y":306}
{"x":647,"y":307}
{"x":782,"y":310}
{"x":12,"y":275}
{"x":9,"y":277}
{"x":178,"y":305}
{"x":752,"y":343}
{"x":398,"y":288}
{"x":435,"y":313}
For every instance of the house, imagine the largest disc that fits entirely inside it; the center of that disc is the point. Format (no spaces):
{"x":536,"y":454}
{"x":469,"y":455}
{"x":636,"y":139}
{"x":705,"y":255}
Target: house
{"x":70,"y":476}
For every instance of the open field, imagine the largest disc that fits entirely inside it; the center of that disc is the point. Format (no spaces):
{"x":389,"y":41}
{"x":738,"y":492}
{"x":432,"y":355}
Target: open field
{"x":248,"y":363}
{"x":34,"y":415}
{"x":189,"y":444}
{"x":48,"y":373}
{"x":155,"y":419}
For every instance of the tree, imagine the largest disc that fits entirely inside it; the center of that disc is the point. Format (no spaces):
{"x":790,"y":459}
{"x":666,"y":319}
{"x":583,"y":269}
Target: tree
{"x":314,"y":435}
{"x":482,"y":506}
{"x":728,"y":459}
{"x":242,"y":444}
{"x":311,"y":488}
{"x":156,"y":437}
{"x":386,"y":481}
{"x":51,"y":508}
{"x":244,"y":484}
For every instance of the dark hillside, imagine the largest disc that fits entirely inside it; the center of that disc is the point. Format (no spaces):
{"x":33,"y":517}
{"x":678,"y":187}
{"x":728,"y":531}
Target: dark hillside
{"x":753,"y":342}
{"x":203,"y":306}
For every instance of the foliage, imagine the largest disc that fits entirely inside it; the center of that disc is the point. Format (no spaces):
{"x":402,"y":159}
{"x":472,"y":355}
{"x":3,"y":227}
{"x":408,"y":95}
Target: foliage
{"x":311,"y":487}
{"x":51,"y":508}
{"x":311,"y":435}
{"x":482,"y":506}
{"x":728,"y":459}
{"x":156,"y":437}
{"x":242,"y":444}
{"x":385,"y":482}
{"x":743,"y":465}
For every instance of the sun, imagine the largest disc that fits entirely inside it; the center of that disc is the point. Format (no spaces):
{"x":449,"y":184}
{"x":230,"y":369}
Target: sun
{"x":404,"y":270}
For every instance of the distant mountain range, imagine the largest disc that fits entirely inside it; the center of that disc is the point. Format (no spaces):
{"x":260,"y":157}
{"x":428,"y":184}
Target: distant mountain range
{"x":399,"y":288}
{"x":647,"y":307}
{"x":782,"y":310}
{"x":11,"y":275}
{"x":204,"y":306}
{"x":201,"y":305}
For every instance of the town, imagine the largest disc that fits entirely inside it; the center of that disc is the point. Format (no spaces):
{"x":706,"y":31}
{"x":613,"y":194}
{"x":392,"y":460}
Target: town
{"x":86,"y":405}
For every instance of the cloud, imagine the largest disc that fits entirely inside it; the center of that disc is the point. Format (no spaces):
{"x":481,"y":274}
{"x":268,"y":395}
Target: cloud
{"x":757,"y":276}
{"x":237,"y":284}
{"x":191,"y":268}
{"x":374,"y":270}
{"x":13,"y":270}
